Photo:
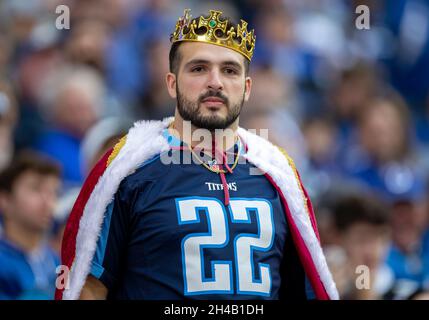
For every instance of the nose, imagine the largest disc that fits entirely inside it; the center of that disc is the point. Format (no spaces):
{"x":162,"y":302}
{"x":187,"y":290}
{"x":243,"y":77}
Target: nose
{"x":215,"y":81}
{"x":50,"y":200}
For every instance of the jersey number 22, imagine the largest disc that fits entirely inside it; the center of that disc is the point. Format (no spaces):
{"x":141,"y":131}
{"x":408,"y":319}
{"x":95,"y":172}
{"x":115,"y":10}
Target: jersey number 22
{"x":218,"y":237}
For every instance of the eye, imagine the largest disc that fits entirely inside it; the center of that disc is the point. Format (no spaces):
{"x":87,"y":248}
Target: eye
{"x":230,"y":71}
{"x":197,"y":69}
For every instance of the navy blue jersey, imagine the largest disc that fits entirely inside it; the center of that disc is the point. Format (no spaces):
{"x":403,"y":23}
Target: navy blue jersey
{"x":168,"y":234}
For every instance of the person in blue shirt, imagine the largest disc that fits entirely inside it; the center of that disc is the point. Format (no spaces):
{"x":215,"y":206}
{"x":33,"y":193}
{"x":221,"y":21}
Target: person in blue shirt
{"x":28,"y":193}
{"x":147,"y":233}
{"x":196,"y":220}
{"x":408,"y":254}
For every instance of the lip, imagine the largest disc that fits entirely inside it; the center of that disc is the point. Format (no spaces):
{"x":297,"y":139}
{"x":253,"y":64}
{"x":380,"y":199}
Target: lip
{"x":213,"y":100}
{"x":213,"y":103}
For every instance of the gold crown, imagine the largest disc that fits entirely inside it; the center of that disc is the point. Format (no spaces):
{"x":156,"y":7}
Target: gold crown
{"x":213,"y":30}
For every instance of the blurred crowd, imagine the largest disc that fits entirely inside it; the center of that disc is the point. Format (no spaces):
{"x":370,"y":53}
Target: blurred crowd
{"x":350,"y":106}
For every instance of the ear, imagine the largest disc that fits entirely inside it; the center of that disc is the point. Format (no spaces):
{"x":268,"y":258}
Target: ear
{"x":247,"y":88}
{"x":170,"y":80}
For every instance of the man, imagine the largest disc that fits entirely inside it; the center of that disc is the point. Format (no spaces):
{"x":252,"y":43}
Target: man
{"x":28,"y":194}
{"x":191,"y":217}
{"x":408,"y":252}
{"x":362,"y":224}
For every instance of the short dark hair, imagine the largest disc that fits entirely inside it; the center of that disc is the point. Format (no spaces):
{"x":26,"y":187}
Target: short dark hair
{"x":354,"y":209}
{"x":175,"y":58}
{"x":27,"y":161}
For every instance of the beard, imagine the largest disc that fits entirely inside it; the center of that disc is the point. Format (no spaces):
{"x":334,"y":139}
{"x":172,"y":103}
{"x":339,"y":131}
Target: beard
{"x":190,"y":111}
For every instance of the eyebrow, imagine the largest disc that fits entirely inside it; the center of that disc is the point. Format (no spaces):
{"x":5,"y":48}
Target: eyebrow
{"x":207,"y":62}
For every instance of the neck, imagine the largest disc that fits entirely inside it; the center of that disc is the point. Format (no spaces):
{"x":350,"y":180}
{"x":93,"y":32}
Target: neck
{"x":203,"y":138}
{"x":26,"y":239}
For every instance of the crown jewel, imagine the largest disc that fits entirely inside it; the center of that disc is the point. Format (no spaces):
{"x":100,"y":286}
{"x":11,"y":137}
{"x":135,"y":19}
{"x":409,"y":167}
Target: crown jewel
{"x":214,"y":30}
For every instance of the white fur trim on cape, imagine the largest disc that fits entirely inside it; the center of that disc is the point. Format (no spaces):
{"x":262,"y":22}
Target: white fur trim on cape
{"x":269,"y":159}
{"x":143,"y":142}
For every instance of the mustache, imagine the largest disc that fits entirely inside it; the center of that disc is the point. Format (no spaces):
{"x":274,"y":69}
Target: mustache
{"x":214,"y":93}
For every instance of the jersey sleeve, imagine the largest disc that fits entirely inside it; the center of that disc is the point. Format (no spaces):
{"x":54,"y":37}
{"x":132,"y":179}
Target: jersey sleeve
{"x":113,"y":239}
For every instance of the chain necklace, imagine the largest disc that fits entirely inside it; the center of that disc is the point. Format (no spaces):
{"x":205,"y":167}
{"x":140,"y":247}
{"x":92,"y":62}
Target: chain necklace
{"x":213,"y":166}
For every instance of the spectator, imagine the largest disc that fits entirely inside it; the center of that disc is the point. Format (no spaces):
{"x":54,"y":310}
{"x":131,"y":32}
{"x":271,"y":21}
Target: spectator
{"x":321,"y":136}
{"x":354,"y":87}
{"x":72,"y":103}
{"x":87,"y":44}
{"x":28,"y":193}
{"x":382,"y":155}
{"x":362,"y":224}
{"x":408,"y":254}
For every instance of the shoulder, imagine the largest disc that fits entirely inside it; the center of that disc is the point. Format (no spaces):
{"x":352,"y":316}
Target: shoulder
{"x":8,"y":251}
{"x":147,"y":173}
{"x":12,"y":260}
{"x":138,"y":154}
